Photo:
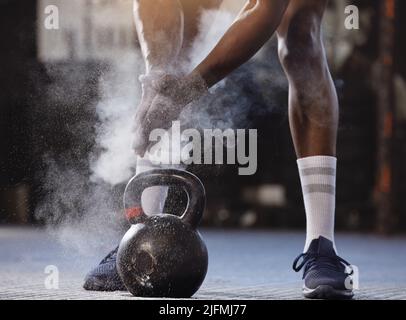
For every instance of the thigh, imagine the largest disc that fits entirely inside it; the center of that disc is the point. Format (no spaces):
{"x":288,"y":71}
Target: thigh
{"x":192,"y":10}
{"x":302,"y":16}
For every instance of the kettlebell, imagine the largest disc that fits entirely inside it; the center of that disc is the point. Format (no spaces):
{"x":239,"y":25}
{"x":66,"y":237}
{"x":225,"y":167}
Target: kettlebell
{"x":163,"y":255}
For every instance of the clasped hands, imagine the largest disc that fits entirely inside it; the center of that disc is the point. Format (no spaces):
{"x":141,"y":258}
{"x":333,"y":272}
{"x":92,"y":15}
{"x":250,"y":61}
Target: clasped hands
{"x":163,"y":98}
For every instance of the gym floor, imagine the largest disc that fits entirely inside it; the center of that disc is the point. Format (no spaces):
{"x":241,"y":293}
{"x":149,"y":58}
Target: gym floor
{"x":243,"y":265}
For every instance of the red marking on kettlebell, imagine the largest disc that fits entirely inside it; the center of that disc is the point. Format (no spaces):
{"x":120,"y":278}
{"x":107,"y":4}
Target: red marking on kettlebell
{"x":132,"y":213}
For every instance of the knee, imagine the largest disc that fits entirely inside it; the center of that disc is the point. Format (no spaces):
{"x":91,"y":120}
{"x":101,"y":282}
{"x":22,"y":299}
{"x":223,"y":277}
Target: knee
{"x":301,"y":48}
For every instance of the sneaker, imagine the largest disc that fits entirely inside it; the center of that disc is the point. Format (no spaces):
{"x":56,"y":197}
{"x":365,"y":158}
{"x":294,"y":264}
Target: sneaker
{"x":325,"y":274}
{"x":105,"y":276}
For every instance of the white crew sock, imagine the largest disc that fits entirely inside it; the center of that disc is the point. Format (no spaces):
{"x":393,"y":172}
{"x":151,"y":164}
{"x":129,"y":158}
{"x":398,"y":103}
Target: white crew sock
{"x":318,"y":178}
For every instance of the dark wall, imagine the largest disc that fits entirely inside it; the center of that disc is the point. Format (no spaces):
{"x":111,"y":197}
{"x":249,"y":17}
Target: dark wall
{"x":17,"y":64}
{"x":401,"y":133}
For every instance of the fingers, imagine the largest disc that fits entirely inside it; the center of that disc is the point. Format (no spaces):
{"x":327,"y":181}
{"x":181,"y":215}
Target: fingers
{"x":139,"y":146}
{"x":160,"y":115}
{"x":157,"y":110}
{"x":141,"y":134}
{"x":141,"y":111}
{"x":166,"y":85}
{"x":144,"y":123}
{"x":141,"y":138}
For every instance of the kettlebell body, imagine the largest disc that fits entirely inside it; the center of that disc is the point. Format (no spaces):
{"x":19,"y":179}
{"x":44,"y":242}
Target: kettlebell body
{"x":163,"y":255}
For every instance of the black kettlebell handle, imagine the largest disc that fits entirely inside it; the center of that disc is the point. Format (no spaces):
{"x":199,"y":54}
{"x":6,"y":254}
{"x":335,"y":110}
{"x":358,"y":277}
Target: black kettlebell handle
{"x":166,"y":177}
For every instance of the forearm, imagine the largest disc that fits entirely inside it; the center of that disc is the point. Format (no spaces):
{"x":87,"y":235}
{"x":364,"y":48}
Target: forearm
{"x":256,"y":23}
{"x":159,"y":25}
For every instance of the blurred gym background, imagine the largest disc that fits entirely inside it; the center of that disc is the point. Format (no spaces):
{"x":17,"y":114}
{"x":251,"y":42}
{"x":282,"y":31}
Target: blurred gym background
{"x":368,"y":66}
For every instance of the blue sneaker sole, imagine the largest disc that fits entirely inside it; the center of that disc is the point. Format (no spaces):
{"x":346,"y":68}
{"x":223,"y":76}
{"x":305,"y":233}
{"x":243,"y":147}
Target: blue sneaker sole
{"x":95,"y":284}
{"x":326,"y":292}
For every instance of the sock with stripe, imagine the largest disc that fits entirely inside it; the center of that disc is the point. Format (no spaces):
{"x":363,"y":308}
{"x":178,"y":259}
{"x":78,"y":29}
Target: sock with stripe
{"x":318,"y":179}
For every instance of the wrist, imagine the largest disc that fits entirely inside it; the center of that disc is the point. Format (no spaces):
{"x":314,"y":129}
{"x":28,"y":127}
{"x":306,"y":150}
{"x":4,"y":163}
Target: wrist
{"x":193,"y":87}
{"x":149,"y":77}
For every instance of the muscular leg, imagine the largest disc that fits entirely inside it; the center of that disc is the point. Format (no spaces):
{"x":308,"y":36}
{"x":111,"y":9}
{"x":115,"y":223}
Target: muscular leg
{"x":159,"y":26}
{"x":167,"y":28}
{"x":192,"y":13}
{"x":313,"y":112}
{"x":313,"y":105}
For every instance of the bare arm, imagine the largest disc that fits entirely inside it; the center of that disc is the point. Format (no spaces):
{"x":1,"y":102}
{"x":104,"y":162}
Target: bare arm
{"x":256,"y":23}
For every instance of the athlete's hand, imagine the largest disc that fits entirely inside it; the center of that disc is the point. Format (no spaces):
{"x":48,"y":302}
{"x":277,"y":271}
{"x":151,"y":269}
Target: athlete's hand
{"x":172,"y":94}
{"x":148,"y":95}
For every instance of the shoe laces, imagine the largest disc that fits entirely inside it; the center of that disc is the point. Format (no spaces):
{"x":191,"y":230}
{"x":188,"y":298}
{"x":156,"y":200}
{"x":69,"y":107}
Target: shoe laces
{"x":110,"y":257}
{"x":331,"y":262}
